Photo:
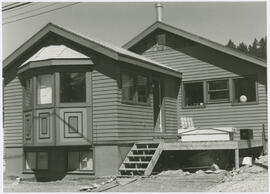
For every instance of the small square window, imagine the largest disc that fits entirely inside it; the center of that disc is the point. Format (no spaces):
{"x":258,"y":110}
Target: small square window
{"x":193,"y":94}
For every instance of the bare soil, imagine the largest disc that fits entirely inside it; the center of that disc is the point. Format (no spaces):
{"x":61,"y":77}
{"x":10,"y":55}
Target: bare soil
{"x":246,"y":179}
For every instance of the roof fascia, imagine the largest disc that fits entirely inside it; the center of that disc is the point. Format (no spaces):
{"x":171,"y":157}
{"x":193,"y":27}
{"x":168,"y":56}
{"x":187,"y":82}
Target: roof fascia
{"x":62,"y":33}
{"x":194,"y":38}
{"x":55,"y":62}
{"x":159,"y":69}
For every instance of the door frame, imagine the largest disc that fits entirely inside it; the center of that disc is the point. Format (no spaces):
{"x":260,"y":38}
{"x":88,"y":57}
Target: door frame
{"x":161,"y":104}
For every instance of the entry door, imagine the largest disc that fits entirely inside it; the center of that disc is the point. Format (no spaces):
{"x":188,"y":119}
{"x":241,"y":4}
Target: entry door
{"x":157,"y":105}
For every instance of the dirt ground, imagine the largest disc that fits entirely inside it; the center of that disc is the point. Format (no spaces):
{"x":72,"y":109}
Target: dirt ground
{"x":246,"y":179}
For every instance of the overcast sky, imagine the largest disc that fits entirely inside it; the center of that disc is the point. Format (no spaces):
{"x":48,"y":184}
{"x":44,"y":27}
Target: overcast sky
{"x":117,"y":23}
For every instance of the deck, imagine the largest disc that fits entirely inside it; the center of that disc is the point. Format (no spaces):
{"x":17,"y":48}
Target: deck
{"x":214,"y":145}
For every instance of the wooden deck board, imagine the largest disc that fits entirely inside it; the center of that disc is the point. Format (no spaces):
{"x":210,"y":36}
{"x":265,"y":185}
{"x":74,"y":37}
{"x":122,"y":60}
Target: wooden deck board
{"x":212,"y":145}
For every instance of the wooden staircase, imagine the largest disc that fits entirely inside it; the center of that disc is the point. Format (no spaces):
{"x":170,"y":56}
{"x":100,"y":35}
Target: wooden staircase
{"x":141,"y":159}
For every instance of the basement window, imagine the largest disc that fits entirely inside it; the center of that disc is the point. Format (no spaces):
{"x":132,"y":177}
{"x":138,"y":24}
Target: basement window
{"x":193,"y":94}
{"x":218,"y":91}
{"x":244,"y":90}
{"x":80,"y":161}
{"x":73,"y":87}
{"x":36,"y":161}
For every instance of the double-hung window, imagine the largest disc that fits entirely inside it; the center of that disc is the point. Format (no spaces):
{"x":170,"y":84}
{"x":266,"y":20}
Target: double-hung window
{"x":244,"y":90}
{"x":218,"y":91}
{"x":193,"y":94}
{"x":134,"y":88}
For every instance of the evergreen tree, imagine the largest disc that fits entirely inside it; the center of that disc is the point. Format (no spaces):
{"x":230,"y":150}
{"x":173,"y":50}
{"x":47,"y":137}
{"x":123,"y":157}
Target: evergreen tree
{"x":242,"y":47}
{"x":231,"y":44}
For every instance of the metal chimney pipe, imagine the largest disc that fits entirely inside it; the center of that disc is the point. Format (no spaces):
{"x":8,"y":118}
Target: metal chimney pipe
{"x":159,"y":8}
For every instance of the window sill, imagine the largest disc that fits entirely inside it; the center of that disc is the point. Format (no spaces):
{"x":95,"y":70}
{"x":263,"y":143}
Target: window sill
{"x":86,"y":172}
{"x":243,"y":104}
{"x":193,"y":107}
{"x":134,"y":103}
{"x":218,"y":102}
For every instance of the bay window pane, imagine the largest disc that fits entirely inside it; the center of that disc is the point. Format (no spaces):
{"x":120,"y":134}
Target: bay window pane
{"x":44,"y":89}
{"x":28,"y":92}
{"x":72,"y":87}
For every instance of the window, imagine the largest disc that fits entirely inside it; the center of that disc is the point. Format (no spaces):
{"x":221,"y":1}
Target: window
{"x":218,"y":91}
{"x":134,"y":88}
{"x":193,"y":94}
{"x":244,"y":90}
{"x":73,"y":87}
{"x":80,"y":161}
{"x":44,"y":89}
{"x":36,"y":160}
{"x":127,"y":87}
{"x":141,"y":87}
{"x":28,"y":93}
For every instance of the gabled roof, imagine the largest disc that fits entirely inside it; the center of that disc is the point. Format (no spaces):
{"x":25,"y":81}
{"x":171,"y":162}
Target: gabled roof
{"x":33,"y":45}
{"x":195,"y":38}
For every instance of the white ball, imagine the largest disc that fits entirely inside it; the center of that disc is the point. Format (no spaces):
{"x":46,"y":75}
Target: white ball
{"x":243,"y":98}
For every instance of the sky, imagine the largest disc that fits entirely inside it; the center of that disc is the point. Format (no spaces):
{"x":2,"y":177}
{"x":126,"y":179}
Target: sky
{"x":117,"y":23}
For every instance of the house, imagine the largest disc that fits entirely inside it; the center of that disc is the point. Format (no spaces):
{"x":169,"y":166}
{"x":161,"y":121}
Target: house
{"x":75,"y":105}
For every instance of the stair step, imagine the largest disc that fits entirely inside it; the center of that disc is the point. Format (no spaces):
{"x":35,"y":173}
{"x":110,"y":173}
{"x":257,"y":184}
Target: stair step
{"x":140,"y":155}
{"x":145,"y":149}
{"x":132,"y":169}
{"x":137,"y":162}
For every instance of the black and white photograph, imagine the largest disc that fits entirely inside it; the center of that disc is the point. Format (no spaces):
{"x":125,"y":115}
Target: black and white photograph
{"x":156,"y":96}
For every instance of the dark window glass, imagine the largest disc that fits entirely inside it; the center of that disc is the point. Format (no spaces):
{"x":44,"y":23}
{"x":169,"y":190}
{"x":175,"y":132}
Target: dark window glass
{"x":127,"y":87}
{"x":43,"y":160}
{"x":72,"y":87}
{"x":244,"y":90}
{"x":218,"y":90}
{"x":141,"y":86}
{"x":193,"y":94}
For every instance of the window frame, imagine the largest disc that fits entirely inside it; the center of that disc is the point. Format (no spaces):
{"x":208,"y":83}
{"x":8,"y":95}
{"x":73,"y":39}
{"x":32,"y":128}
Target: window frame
{"x":183,"y":101}
{"x":208,"y":91}
{"x":254,"y":77}
{"x":49,"y":105}
{"x":25,"y":170}
{"x":135,"y":100}
{"x":68,"y":171}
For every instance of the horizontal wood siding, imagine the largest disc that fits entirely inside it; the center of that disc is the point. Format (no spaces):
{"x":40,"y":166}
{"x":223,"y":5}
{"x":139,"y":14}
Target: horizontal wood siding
{"x":222,"y":114}
{"x":105,"y":100}
{"x":13,"y":117}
